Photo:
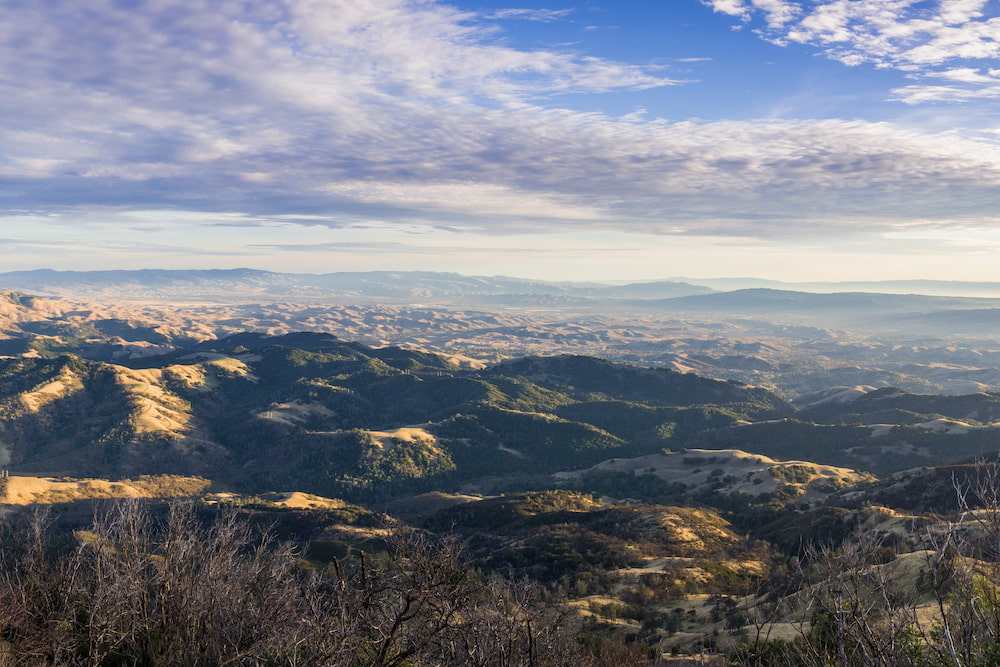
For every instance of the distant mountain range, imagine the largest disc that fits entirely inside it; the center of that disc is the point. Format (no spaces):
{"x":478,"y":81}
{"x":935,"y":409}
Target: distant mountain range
{"x":852,"y":307}
{"x":934,"y":287}
{"x":249,"y":284}
{"x":245,"y":283}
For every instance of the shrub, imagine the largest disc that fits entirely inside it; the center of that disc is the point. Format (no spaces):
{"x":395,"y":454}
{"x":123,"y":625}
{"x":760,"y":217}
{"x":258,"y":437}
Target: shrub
{"x":141,"y":589}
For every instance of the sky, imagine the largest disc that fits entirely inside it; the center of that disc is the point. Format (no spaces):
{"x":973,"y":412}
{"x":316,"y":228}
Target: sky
{"x":591,"y":140}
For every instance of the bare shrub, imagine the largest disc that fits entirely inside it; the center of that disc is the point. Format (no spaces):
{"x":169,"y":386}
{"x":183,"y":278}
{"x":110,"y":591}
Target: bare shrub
{"x":174,"y":589}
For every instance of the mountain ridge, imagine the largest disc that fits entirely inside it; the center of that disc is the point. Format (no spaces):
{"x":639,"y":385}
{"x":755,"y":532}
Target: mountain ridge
{"x":247,"y":283}
{"x":353,"y":417}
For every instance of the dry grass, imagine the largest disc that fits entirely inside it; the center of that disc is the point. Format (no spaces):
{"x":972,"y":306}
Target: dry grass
{"x":19,"y":490}
{"x":301,"y":500}
{"x":747,"y":473}
{"x":65,"y":384}
{"x":387,"y":439}
{"x":294,"y":412}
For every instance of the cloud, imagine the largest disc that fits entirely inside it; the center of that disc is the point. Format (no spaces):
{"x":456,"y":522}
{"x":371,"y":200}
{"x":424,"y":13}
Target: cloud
{"x":929,"y":93}
{"x":392,"y":247}
{"x":542,"y":15}
{"x":412,"y":112}
{"x":467,"y":199}
{"x":731,"y":7}
{"x":91,"y":245}
{"x":967,"y":75}
{"x":981,"y":84}
{"x":916,"y":36}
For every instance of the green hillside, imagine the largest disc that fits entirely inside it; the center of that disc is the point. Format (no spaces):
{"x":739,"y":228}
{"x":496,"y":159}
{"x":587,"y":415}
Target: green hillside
{"x":312,"y":412}
{"x":338,"y":418}
{"x":895,"y":406}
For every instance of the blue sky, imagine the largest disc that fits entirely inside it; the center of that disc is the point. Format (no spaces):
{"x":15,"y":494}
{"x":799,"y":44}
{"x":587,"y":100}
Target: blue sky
{"x":796,"y":140}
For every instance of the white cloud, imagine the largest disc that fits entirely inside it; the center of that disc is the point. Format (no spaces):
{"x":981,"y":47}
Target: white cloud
{"x":466,"y":199}
{"x":930,"y":93}
{"x":731,"y":7}
{"x":411,"y":111}
{"x":778,"y":12}
{"x":917,"y":36}
{"x":966,"y":75}
{"x":543,"y":15}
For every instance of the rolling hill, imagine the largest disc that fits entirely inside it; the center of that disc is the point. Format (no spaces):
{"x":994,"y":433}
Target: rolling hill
{"x":313,"y":412}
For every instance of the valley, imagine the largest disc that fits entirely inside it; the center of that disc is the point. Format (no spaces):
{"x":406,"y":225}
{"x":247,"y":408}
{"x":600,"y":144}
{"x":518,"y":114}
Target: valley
{"x":691,"y":478}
